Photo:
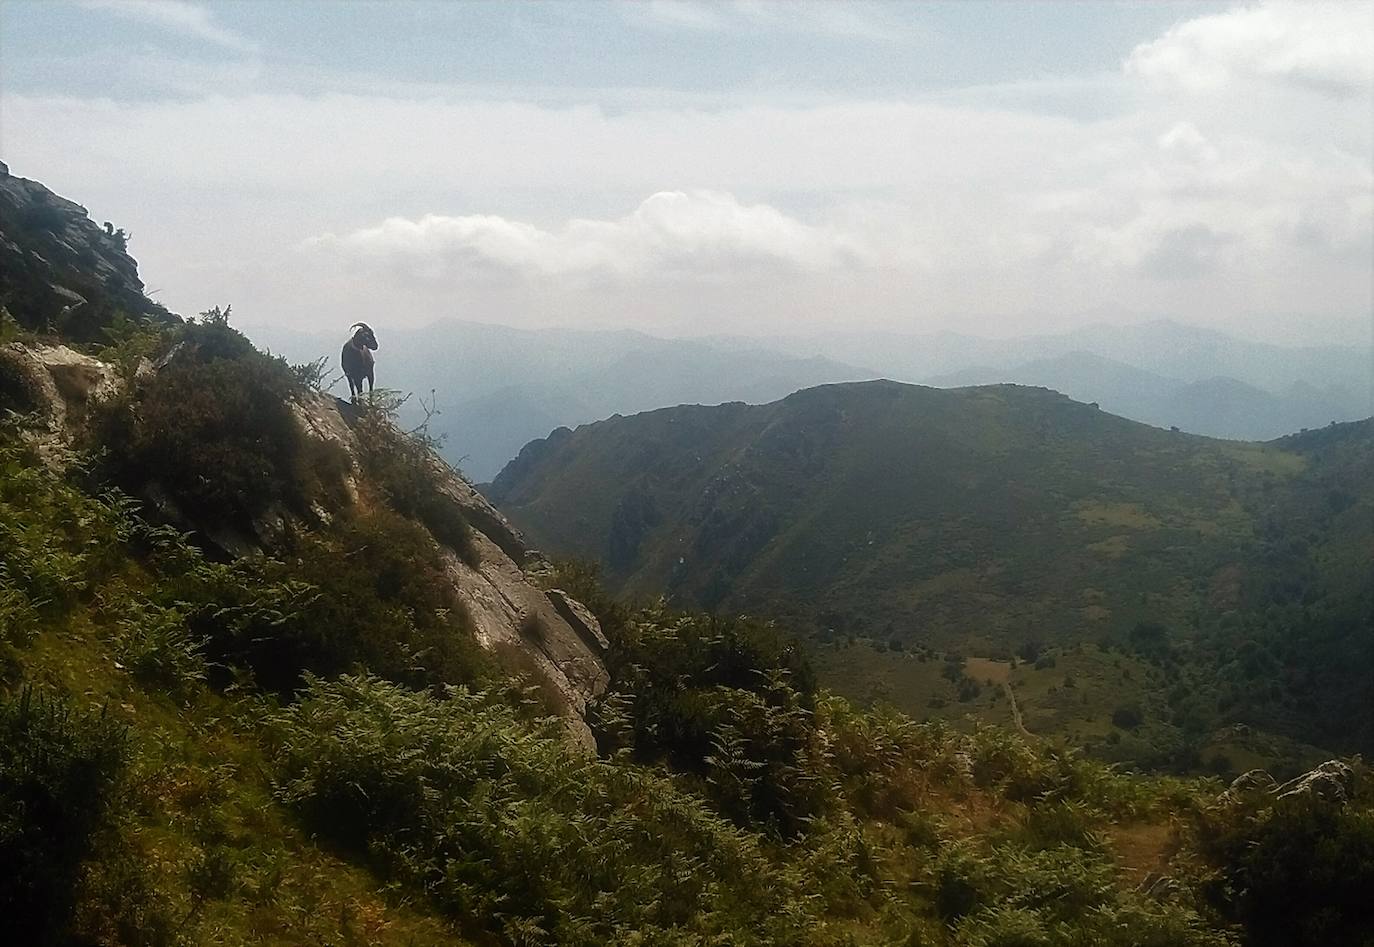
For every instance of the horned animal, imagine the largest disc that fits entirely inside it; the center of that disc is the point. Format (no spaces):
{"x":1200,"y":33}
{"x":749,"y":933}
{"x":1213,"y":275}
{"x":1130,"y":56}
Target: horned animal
{"x":357,"y":360}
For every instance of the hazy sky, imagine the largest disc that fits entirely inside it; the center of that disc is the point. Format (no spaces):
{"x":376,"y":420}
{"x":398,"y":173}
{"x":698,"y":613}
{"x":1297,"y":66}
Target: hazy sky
{"x":741,"y":167}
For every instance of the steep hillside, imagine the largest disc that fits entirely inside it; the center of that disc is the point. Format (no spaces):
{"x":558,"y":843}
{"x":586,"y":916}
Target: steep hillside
{"x":986,"y":521}
{"x":969,"y":515}
{"x":271,"y":673}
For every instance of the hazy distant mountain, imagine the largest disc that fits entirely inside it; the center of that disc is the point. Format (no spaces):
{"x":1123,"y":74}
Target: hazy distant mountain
{"x":1215,"y":406}
{"x":1333,"y":382}
{"x":498,"y":387}
{"x":1163,"y":347}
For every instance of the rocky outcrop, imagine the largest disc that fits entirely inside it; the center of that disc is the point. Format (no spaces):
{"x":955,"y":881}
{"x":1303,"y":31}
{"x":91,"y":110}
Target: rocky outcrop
{"x":1332,"y":781}
{"x":54,"y":386}
{"x":547,"y":632}
{"x":59,"y":270}
{"x":540,"y":633}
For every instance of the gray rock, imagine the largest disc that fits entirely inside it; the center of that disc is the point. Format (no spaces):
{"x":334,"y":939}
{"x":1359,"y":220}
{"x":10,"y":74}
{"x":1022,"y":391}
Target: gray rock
{"x":1332,"y":781}
{"x":60,"y":385}
{"x":61,"y":269}
{"x":552,"y":635}
{"x":1255,"y":780}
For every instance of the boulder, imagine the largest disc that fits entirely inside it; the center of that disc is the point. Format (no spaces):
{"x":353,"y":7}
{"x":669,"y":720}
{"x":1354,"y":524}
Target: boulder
{"x":1332,"y":781}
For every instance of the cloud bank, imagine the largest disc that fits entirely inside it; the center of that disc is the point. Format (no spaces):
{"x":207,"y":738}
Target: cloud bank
{"x":1231,"y":181}
{"x":670,"y":234}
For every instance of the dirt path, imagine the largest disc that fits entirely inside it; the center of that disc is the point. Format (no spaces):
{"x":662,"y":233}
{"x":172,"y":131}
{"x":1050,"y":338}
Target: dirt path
{"x":1015,"y":709}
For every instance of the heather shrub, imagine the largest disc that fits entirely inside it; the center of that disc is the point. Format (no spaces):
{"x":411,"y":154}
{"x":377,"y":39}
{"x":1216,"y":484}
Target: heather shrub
{"x":369,"y":594}
{"x":214,"y":430}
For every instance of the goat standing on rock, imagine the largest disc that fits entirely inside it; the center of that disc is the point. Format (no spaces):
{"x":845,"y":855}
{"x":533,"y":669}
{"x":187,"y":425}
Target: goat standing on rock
{"x":357,"y":360}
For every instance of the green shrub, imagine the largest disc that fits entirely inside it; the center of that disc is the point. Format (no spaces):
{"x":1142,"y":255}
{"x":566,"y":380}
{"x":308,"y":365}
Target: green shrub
{"x":59,"y":771}
{"x":517,"y":833}
{"x":1128,"y":717}
{"x":370,"y":594}
{"x":730,"y":700}
{"x":406,"y":468}
{"x":157,"y":646}
{"x":128,"y":342}
{"x":1011,"y":897}
{"x":215,"y":430}
{"x":1295,"y":871}
{"x":219,"y":438}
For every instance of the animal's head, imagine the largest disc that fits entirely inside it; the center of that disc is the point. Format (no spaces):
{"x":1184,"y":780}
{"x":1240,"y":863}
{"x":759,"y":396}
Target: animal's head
{"x":364,"y":336}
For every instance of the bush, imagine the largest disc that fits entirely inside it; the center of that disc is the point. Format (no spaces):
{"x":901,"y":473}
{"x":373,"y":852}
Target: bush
{"x":219,"y":438}
{"x":730,"y":700}
{"x":519,"y":834}
{"x":407,"y":469}
{"x":157,"y":646}
{"x":1298,"y":872}
{"x":1060,"y":895}
{"x":1128,"y":717}
{"x":59,"y":771}
{"x":368,"y":594}
{"x":214,"y":429}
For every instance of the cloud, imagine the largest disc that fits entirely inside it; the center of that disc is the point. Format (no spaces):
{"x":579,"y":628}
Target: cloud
{"x":671,"y":234}
{"x":1255,"y":196}
{"x":849,"y":20}
{"x":176,"y":16}
{"x":1185,"y":252}
{"x":1324,"y":46}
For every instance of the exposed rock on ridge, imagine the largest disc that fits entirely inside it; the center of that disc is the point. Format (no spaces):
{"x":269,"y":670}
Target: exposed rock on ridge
{"x":502,"y":591}
{"x":59,"y":270}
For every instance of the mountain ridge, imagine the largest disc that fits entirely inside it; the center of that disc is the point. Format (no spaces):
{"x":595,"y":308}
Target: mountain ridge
{"x":981,"y":520}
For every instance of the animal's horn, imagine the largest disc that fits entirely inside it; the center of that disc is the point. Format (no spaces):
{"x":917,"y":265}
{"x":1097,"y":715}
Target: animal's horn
{"x":361,"y":325}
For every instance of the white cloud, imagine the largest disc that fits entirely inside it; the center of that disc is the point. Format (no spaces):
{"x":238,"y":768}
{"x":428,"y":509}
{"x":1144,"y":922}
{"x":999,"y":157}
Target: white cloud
{"x":1327,"y":46}
{"x":1257,"y":196}
{"x":177,"y":16}
{"x":699,"y":234}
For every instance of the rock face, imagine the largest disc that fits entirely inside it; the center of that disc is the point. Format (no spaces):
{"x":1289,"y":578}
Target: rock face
{"x":55,"y":385}
{"x":546,"y":631}
{"x":1332,"y":781}
{"x":59,"y":270}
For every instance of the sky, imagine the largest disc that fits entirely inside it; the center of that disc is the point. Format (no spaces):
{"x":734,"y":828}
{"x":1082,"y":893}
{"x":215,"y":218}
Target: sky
{"x":747,"y":168}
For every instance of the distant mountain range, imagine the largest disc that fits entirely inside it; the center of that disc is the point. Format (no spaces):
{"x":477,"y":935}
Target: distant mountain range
{"x":1163,"y":347}
{"x":1216,"y":406}
{"x":500,"y":387}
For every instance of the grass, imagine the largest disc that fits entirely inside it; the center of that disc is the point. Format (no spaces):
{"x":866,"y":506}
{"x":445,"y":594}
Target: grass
{"x":202,"y":803}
